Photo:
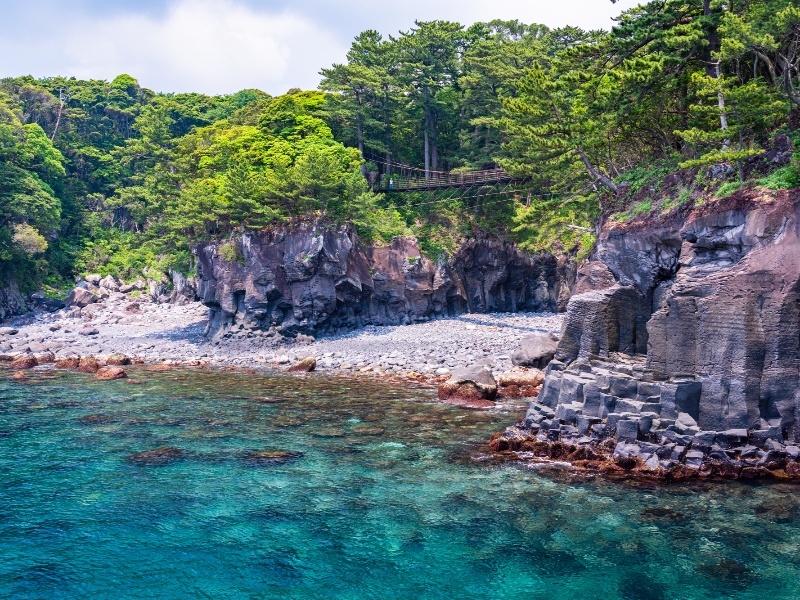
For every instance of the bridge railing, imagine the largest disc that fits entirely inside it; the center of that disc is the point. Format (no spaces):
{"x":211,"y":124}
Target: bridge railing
{"x":436,"y":179}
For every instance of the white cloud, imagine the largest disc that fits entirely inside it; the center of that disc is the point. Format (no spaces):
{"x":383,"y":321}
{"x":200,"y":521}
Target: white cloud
{"x":215,"y":47}
{"x":222,"y":46}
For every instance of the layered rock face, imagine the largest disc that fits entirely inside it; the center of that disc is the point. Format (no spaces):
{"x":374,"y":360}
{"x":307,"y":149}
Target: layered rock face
{"x":685,"y":334}
{"x":314,"y":279}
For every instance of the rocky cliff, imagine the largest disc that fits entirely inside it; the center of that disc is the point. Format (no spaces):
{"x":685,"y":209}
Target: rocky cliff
{"x":316,"y":278}
{"x":682,"y":341}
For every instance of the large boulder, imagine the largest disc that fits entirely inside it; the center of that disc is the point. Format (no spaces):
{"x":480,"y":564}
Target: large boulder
{"x":24,"y":361}
{"x":81,"y":297}
{"x":471,"y":387}
{"x":111,"y":373}
{"x":68,"y":362}
{"x":88,"y":364}
{"x":520,"y":382}
{"x":108,"y":282}
{"x":535,"y":351}
{"x":304,"y":366}
{"x":118,"y":360}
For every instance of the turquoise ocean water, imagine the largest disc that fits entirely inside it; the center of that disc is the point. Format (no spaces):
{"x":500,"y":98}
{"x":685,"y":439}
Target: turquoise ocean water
{"x":387,"y":501}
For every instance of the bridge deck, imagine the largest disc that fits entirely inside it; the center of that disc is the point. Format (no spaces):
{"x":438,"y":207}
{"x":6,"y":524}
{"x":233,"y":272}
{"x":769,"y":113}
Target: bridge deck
{"x":438,"y":180}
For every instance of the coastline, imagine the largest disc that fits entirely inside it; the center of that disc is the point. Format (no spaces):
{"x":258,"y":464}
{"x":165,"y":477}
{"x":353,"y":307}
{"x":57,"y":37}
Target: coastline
{"x":172,"y":334}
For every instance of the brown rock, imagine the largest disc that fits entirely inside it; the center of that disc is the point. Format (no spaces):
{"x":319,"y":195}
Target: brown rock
{"x":156,"y":457}
{"x":118,"y":360}
{"x":45,"y":358}
{"x":270,"y":457}
{"x":520,"y":383}
{"x":88,"y":364}
{"x":24,"y":361}
{"x":70,"y":362}
{"x":159,"y":368}
{"x":19,"y":375}
{"x":110,"y":373}
{"x":304,"y":366}
{"x":471,"y":387}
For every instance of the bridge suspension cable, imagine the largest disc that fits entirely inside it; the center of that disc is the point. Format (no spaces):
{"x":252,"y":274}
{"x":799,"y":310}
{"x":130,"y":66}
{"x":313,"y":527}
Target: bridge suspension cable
{"x":410,"y":179}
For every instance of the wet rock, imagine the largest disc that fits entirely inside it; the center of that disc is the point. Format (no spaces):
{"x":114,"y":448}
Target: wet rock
{"x":88,"y":364}
{"x":159,"y":368}
{"x":329,"y":433}
{"x":118,"y":360}
{"x":304,"y":366}
{"x":536,"y":351}
{"x":19,"y":376}
{"x":68,"y":363}
{"x":45,"y":357}
{"x":270,"y":457}
{"x":157,"y":457}
{"x":520,"y":383}
{"x":95,"y":420}
{"x":24,"y":361}
{"x":366,"y":430}
{"x":469,"y":386}
{"x":111,"y":373}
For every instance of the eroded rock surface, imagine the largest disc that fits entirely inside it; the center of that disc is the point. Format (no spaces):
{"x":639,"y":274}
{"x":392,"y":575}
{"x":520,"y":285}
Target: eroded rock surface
{"x":317,"y":279}
{"x":689,"y":357}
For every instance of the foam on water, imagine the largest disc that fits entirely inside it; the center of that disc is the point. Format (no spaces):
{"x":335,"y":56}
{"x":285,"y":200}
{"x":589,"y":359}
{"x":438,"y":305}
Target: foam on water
{"x":403,"y":513}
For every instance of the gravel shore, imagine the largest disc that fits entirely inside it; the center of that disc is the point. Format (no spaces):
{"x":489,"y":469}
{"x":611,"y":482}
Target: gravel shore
{"x":155,"y":333}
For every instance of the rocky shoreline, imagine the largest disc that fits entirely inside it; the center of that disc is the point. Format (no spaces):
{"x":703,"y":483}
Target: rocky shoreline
{"x":130,"y":324}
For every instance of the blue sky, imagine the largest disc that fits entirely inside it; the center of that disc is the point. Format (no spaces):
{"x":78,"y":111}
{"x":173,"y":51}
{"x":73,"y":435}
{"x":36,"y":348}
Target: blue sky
{"x":221,"y":46}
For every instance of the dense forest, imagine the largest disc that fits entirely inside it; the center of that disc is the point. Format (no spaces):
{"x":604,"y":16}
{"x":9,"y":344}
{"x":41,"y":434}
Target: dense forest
{"x":111,"y":177}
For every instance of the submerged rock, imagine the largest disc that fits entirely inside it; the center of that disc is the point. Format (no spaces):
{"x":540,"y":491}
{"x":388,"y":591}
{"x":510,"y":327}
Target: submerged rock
{"x":270,"y":457}
{"x":157,"y":456}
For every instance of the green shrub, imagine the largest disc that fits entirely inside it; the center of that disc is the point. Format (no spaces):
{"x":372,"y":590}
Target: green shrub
{"x":726,"y":189}
{"x":230,"y":252}
{"x":782,"y":179}
{"x":586,"y":246}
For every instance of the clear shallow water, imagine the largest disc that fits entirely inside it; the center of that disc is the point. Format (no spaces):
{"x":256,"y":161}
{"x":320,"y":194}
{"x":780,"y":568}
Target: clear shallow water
{"x":400,"y":514}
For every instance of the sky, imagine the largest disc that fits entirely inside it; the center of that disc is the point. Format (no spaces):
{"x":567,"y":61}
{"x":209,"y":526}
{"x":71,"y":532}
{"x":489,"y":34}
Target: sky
{"x":222,"y":46}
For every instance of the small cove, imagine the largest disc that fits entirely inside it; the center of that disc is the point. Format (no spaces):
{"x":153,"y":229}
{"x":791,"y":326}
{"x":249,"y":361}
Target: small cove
{"x":385,"y":501}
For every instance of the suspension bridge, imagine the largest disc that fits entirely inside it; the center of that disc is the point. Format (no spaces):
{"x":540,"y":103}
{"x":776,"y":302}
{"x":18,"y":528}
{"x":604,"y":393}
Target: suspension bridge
{"x":410,"y":179}
{"x":442,"y":186}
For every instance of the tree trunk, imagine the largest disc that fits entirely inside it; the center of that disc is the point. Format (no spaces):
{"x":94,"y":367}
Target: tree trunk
{"x":360,"y":136}
{"x":61,"y":101}
{"x":434,"y":143}
{"x":595,"y":173}
{"x":427,"y":149}
{"x":388,"y":141}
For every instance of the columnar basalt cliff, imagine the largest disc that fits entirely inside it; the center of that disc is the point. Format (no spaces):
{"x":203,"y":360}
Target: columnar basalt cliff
{"x":682,"y":342}
{"x":316,"y":278}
